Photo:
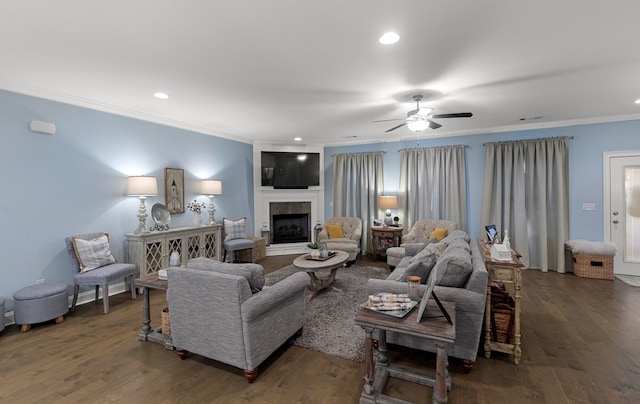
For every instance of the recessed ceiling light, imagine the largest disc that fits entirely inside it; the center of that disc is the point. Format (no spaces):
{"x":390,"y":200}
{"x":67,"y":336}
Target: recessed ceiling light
{"x":389,"y":38}
{"x":161,"y":95}
{"x":297,"y":139}
{"x":637,"y":101}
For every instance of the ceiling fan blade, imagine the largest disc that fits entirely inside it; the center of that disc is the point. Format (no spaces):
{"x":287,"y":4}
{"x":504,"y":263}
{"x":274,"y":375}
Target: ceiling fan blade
{"x":395,"y":127}
{"x":387,"y":120}
{"x":456,"y":115}
{"x":434,"y":125}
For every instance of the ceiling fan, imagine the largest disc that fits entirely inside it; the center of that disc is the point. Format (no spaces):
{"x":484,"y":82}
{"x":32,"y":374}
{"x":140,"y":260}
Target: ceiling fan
{"x":421,"y":118}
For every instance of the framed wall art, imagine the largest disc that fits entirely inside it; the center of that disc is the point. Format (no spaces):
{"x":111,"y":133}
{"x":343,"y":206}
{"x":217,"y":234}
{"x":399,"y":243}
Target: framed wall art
{"x":174,"y":190}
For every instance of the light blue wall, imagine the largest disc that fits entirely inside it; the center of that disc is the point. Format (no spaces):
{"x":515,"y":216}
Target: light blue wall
{"x":75,"y":182}
{"x":585,"y":167}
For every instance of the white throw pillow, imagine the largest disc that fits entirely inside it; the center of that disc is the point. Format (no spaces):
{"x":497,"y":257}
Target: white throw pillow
{"x":234,"y":229}
{"x":94,"y":253}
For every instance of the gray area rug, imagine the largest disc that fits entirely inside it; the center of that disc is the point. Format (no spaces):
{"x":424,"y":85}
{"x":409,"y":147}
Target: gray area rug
{"x":330,"y":327}
{"x":630,"y":280}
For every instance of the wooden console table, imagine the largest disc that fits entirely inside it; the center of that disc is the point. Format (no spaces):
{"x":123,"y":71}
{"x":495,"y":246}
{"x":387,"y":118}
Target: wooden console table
{"x":383,"y":238}
{"x":436,"y":328}
{"x":509,"y":274}
{"x":150,"y":251}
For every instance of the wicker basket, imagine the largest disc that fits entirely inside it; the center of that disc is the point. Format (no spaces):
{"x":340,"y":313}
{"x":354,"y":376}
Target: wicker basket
{"x":593,"y":266}
{"x":502,"y":316}
{"x":166,"y":323}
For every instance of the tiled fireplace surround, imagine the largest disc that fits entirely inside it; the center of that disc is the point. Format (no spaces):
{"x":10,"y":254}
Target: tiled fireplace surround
{"x":278,"y":201}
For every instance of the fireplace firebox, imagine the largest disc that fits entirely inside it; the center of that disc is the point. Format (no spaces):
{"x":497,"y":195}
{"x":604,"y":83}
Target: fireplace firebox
{"x":291,"y":228}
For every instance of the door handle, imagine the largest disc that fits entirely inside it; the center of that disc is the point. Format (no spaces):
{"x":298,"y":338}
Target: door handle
{"x":615,"y":222}
{"x":615,"y":213}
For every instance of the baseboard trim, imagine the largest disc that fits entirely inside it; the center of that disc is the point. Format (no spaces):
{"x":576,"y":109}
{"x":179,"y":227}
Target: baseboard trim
{"x":83,"y":298}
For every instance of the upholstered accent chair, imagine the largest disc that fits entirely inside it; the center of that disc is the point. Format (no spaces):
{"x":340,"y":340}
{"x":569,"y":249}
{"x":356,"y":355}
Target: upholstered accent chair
{"x":221,"y":311}
{"x":342,"y":234}
{"x":235,"y":238}
{"x":420,"y":233}
{"x":106,"y":270}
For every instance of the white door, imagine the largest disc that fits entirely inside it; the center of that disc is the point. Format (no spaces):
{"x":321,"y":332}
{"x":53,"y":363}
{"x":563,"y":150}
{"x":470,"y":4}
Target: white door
{"x":622,"y":212}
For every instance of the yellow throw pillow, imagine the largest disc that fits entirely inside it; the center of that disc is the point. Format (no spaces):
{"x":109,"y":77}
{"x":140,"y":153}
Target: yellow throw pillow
{"x":335,"y":231}
{"x":439,"y":234}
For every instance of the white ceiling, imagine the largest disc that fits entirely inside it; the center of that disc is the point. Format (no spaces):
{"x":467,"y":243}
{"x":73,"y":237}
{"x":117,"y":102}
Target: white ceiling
{"x":268,"y":71}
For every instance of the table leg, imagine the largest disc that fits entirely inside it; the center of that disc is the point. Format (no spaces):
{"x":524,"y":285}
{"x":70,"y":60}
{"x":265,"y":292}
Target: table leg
{"x":383,"y":359}
{"x":368,"y":366}
{"x":442,"y":373}
{"x":146,"y":316}
{"x":487,"y":324}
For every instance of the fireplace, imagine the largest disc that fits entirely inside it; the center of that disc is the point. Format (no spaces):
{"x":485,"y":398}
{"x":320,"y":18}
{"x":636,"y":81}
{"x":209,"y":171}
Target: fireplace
{"x":290,"y":222}
{"x":291,"y":228}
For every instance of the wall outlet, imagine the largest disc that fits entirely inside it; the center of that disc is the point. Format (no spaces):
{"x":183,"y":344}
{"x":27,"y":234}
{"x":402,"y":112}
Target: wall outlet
{"x":39,"y":281}
{"x":588,"y":206}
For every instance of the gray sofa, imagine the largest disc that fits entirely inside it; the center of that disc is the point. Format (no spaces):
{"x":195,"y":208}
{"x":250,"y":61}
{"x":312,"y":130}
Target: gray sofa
{"x":469,"y":295}
{"x":221,"y":311}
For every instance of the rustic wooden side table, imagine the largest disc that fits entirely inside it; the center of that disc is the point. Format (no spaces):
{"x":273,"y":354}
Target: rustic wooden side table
{"x":509,"y":274}
{"x":383,"y":238}
{"x":436,"y":328}
{"x":148,"y":333}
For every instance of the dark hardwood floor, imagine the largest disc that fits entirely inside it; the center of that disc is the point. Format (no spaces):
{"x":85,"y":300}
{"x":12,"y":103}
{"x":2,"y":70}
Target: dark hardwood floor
{"x":581,"y":344}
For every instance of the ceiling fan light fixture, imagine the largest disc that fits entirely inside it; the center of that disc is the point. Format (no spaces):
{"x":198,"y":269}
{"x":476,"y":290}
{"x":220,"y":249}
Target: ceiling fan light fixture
{"x":418,"y":125}
{"x":389,"y":38}
{"x":424,"y":111}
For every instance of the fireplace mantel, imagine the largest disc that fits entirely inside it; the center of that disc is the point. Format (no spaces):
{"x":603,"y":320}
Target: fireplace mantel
{"x":263,"y":196}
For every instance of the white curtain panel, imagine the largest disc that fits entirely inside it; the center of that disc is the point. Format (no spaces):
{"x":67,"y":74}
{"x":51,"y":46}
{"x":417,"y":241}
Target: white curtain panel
{"x":526,"y":191}
{"x":357,"y":182}
{"x":433,"y":185}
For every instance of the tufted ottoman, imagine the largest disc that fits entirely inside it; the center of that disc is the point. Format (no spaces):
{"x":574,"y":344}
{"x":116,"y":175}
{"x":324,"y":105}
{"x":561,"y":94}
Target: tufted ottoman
{"x":39,"y":303}
{"x":1,"y":314}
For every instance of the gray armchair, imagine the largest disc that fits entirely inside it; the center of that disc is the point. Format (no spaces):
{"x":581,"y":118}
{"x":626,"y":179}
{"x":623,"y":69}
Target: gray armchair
{"x":213,"y":312}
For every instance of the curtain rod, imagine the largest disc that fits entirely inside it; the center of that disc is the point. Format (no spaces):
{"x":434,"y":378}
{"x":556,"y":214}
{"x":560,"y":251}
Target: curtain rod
{"x":353,"y":154}
{"x":529,"y":140}
{"x":435,"y":147}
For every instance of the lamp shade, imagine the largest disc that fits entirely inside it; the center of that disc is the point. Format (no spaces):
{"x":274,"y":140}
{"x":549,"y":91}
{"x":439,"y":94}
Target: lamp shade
{"x":142,"y":186}
{"x":211,"y":187}
{"x":387,"y":202}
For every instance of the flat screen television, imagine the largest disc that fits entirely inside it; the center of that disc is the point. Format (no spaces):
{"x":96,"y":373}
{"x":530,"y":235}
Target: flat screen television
{"x":290,"y":170}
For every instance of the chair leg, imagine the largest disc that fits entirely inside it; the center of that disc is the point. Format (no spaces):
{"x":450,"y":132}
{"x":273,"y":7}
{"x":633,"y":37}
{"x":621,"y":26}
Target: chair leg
{"x":224,"y":257}
{"x":76,"y":290}
{"x":105,"y":297}
{"x":133,"y":287}
{"x":97,"y":293}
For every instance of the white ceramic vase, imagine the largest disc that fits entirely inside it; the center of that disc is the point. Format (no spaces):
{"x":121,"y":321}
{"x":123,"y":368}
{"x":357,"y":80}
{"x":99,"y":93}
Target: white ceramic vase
{"x":197,"y":219}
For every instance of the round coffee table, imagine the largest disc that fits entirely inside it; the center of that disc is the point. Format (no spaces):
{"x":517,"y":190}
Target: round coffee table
{"x":313,"y":267}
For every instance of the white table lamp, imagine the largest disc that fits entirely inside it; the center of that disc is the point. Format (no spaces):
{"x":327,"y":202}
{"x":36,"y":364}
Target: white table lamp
{"x":388,"y":203}
{"x":211,"y":188}
{"x":142,"y":187}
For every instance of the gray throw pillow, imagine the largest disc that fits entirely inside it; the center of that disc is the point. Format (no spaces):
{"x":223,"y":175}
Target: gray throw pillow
{"x":436,"y":248}
{"x":454,"y":268}
{"x":421,"y":268}
{"x":457,"y":234}
{"x":460,"y":244}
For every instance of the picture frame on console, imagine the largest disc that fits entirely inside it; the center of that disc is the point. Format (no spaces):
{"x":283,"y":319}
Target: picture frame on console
{"x":174,"y":190}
